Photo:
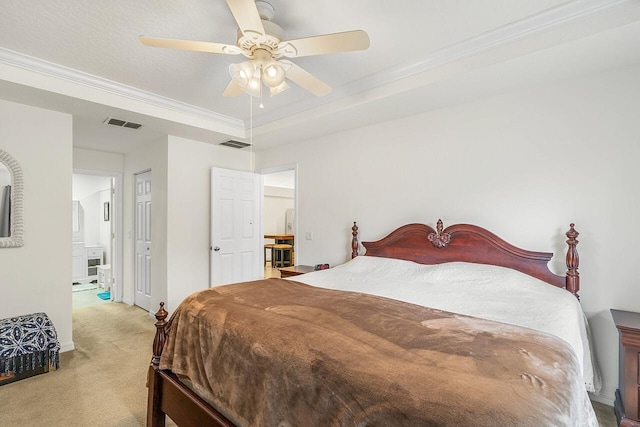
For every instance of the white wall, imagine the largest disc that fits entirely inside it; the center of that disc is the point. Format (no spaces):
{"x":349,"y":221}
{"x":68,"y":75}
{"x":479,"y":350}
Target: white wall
{"x":524,"y":165}
{"x":276,"y":202}
{"x":180,"y":214}
{"x":92,"y":191}
{"x":94,"y":230}
{"x":152,"y":157}
{"x":90,"y":217}
{"x":189,"y":207}
{"x":37,"y":276}
{"x":88,"y":185}
{"x":97,"y":160}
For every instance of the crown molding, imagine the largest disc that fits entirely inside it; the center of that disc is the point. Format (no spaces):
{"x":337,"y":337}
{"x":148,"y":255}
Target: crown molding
{"x":543,"y":21}
{"x":80,"y":78}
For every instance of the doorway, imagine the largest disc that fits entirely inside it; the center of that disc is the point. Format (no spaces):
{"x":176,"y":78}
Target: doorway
{"x":279,"y":216}
{"x":96,"y":240}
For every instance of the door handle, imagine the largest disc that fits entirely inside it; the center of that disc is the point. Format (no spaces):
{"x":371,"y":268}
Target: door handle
{"x":216,"y":249}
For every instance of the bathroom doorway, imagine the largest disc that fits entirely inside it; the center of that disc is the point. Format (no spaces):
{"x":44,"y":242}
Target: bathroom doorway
{"x":95,"y":238}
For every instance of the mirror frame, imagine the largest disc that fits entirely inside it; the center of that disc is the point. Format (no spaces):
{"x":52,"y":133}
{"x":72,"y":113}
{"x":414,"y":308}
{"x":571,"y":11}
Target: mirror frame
{"x":15,"y":240}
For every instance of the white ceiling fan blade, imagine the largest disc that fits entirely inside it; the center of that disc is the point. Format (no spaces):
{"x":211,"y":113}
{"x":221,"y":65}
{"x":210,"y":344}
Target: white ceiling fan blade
{"x":246,"y":15}
{"x":190,"y":45}
{"x":306,"y":80}
{"x":327,"y":43}
{"x":232,"y":89}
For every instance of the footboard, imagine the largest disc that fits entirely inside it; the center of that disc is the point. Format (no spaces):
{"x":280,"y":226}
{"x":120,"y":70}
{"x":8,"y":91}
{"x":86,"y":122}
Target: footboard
{"x":169,"y":396}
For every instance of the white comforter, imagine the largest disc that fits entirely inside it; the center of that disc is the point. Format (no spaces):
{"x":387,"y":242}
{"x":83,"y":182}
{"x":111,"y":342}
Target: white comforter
{"x":484,"y":291}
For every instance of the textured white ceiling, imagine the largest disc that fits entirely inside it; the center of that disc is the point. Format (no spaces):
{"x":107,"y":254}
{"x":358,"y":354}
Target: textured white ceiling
{"x":100,"y":38}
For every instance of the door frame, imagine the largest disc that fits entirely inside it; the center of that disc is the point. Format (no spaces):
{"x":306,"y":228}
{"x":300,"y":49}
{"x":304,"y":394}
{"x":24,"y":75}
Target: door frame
{"x":116,"y":226}
{"x":275,"y":169}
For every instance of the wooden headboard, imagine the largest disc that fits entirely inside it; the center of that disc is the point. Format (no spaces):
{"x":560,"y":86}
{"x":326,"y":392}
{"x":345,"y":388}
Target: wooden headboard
{"x":469,"y":243}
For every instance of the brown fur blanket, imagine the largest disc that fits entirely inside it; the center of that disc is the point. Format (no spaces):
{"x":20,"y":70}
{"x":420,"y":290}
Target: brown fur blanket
{"x":280,"y":353}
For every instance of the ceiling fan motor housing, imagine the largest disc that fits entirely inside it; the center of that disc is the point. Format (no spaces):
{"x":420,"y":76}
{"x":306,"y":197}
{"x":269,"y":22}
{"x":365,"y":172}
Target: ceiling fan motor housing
{"x":249,"y":41}
{"x":265,"y":10}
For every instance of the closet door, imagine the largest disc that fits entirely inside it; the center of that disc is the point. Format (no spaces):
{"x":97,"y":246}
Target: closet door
{"x":142,"y":297}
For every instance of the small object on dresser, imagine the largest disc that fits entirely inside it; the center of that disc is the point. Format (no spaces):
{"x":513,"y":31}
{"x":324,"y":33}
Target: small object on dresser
{"x":321,"y":267}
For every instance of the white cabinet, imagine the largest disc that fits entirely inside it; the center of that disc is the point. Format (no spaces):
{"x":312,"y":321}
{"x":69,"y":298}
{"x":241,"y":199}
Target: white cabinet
{"x":78,"y":262}
{"x":84,"y":262}
{"x":94,"y":259}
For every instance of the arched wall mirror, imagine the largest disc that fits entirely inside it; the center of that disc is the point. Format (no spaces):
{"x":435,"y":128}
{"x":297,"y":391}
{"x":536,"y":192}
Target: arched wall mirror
{"x":11,"y":187}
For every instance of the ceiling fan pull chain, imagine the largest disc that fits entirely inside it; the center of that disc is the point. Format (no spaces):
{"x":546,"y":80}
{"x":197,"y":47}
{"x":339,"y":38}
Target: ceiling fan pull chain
{"x":261,"y":106}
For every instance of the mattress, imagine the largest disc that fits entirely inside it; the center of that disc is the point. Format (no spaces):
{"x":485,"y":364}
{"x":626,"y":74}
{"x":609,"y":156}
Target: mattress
{"x":478,"y":290}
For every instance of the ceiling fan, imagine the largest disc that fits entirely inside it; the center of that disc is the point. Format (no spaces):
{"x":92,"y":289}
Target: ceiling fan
{"x":260,"y":40}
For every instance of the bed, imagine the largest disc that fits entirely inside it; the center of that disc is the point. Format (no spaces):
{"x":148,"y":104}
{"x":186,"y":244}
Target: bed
{"x":358,"y":345}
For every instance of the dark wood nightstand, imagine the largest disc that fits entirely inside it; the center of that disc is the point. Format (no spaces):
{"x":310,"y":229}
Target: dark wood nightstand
{"x":627,"y":402}
{"x":295,"y":270}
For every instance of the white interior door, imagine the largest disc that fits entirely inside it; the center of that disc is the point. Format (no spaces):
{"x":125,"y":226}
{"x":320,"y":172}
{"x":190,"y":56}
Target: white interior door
{"x":112,"y":234}
{"x":236,"y":243}
{"x":142,"y":297}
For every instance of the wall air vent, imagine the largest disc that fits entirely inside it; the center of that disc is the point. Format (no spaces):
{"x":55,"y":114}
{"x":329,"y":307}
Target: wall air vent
{"x":235,"y":144}
{"x":121,"y":123}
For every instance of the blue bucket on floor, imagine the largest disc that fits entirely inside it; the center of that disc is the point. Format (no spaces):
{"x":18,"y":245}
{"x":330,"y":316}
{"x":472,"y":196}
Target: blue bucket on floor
{"x":104,"y":295}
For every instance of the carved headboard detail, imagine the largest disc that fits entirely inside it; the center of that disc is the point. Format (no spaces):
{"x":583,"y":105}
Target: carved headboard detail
{"x":469,"y":243}
{"x":439,"y":239}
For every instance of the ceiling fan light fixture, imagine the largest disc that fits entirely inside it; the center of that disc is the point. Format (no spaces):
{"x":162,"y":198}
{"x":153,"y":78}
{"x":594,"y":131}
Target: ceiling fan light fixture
{"x":246,"y":77}
{"x":254,"y":83}
{"x":249,"y":76}
{"x":273,"y":75}
{"x":241,"y":73}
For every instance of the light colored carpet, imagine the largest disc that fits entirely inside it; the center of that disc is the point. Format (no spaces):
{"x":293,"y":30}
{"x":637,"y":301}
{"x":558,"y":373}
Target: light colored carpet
{"x":102,"y":382}
{"x":86,"y":299}
{"x":605,"y":414}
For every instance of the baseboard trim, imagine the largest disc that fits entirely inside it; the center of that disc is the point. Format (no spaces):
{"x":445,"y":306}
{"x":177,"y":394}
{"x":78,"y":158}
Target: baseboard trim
{"x":603,"y":397}
{"x":68,"y":346}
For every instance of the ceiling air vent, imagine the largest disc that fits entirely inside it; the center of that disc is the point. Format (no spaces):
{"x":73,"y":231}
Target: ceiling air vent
{"x":235,"y":144}
{"x":121,"y":123}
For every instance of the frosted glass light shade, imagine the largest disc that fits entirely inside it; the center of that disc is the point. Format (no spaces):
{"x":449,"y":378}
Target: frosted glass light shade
{"x":250,"y":75}
{"x":273,"y":75}
{"x":244,"y":75}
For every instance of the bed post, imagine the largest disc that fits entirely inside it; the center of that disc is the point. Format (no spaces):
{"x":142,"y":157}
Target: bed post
{"x":573,"y":277}
{"x":354,"y":240}
{"x":155,"y":416}
{"x":161,"y":336}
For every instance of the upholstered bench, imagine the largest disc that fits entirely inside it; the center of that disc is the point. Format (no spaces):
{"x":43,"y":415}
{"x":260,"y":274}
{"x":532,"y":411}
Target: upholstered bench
{"x":28,"y":346}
